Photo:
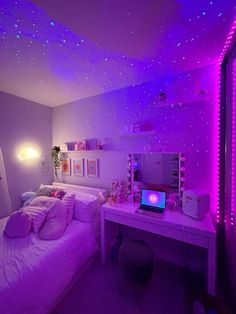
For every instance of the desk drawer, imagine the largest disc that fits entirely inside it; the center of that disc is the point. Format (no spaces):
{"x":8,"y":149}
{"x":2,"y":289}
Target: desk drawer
{"x":170,"y":231}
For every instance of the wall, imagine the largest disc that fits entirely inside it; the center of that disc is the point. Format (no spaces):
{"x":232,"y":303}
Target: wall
{"x":24,"y":122}
{"x":183,"y":123}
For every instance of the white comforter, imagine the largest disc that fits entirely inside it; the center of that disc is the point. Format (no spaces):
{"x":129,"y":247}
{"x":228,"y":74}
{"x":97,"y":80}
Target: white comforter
{"x":34,"y":272}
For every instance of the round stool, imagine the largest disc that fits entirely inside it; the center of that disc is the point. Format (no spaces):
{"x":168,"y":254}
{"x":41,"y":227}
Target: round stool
{"x":136,"y":260}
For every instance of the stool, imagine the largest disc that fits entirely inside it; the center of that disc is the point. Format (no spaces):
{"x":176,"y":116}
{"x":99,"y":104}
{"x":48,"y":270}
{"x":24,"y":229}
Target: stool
{"x":136,"y":261}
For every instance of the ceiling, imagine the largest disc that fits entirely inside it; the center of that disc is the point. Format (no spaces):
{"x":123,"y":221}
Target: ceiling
{"x":57,"y":51}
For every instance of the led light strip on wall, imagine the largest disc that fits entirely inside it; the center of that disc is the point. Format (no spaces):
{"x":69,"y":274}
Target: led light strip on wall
{"x":227,"y":47}
{"x":218,"y":214}
{"x":233,"y":157}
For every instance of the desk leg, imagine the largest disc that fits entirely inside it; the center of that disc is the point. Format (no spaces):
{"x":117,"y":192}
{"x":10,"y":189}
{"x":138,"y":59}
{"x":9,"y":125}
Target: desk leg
{"x":104,"y":239}
{"x":211,"y":266}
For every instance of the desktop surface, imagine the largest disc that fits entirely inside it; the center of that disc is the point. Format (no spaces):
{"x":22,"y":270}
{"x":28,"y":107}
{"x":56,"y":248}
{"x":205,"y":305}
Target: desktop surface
{"x":176,"y":218}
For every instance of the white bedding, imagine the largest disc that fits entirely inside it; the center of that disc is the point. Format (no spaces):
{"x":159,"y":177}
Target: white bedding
{"x":34,"y":272}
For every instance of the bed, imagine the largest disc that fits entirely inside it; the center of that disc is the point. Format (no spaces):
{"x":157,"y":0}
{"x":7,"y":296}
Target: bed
{"x":34,"y":273}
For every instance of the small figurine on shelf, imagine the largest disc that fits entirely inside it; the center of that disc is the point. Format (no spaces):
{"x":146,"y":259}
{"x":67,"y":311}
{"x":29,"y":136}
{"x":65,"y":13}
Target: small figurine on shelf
{"x":99,"y":145}
{"x":63,"y":147}
{"x":81,"y":145}
{"x":162,"y":97}
{"x":136,"y":128}
{"x":70,"y":146}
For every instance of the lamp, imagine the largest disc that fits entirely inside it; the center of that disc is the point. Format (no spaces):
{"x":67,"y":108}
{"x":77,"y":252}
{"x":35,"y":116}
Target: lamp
{"x":28,"y":153}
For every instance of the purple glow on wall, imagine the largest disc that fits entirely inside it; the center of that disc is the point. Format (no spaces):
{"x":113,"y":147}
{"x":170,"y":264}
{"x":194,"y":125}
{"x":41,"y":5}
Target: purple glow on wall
{"x":66,"y":57}
{"x":228,"y":43}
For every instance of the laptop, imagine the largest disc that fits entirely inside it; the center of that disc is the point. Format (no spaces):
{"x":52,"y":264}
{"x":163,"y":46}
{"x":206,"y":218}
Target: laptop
{"x":152,"y":202}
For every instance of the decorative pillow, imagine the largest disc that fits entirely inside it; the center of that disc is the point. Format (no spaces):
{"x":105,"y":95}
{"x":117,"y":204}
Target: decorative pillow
{"x":45,"y":190}
{"x":55,"y":223}
{"x":18,"y":225}
{"x":69,"y":201}
{"x":85,"y":207}
{"x":37,"y":214}
{"x":44,"y":201}
{"x":58,"y":194}
{"x":27,"y":197}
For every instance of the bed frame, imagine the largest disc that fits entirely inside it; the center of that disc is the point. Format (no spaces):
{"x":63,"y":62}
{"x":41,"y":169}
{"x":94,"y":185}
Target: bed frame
{"x":101,"y":194}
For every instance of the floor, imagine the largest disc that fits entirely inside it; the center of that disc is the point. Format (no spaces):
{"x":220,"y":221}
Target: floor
{"x":102,"y":290}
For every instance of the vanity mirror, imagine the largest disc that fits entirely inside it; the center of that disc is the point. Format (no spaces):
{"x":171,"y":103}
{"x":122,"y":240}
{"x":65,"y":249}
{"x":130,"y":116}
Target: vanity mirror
{"x":158,"y":170}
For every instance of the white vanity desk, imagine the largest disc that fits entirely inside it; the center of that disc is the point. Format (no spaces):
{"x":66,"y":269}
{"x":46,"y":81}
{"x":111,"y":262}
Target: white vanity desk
{"x":173,"y":224}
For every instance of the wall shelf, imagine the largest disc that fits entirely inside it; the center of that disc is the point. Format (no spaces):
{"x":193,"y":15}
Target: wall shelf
{"x":83,"y":151}
{"x":136,"y":134}
{"x":180,"y":102}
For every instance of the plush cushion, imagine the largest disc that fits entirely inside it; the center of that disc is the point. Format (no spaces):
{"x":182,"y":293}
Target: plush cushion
{"x":27,"y":197}
{"x":58,"y":194}
{"x":44,"y":201}
{"x":69,"y":201}
{"x":55,"y":223}
{"x":18,"y":225}
{"x":45,"y":190}
{"x":38,"y":215}
{"x":85,"y":207}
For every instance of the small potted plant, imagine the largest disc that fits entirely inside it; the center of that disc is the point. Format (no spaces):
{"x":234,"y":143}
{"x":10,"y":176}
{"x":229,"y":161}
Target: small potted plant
{"x":55,"y":154}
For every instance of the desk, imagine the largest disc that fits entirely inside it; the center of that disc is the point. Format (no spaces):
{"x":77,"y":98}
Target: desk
{"x":173,"y":224}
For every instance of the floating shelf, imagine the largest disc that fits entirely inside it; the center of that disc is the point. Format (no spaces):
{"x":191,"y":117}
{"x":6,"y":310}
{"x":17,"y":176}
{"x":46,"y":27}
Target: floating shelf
{"x":83,"y":151}
{"x":179,"y":102}
{"x":134,"y":134}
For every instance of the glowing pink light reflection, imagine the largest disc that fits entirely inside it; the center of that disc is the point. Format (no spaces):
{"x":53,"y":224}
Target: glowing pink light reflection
{"x":233,"y":156}
{"x":153,"y":198}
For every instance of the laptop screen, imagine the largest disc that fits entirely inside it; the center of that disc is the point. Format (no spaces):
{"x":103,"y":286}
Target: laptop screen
{"x":153,"y":199}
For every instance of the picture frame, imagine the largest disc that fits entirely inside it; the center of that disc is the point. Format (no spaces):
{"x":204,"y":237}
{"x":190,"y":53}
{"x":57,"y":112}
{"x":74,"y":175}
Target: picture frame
{"x":78,"y":167}
{"x":92,"y":168}
{"x":66,"y":166}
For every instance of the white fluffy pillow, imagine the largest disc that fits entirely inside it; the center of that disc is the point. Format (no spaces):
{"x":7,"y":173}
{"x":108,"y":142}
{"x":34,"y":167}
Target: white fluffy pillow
{"x":85,"y":207}
{"x":69,"y":201}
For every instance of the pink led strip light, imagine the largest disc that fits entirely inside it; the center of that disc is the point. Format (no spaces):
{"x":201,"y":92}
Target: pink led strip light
{"x":233,"y":160}
{"x":228,"y":42}
{"x":225,"y":50}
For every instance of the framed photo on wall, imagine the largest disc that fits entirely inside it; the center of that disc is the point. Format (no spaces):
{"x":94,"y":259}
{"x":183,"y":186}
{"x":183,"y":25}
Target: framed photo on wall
{"x":78,"y":167}
{"x":65,"y":166}
{"x":92,"y":168}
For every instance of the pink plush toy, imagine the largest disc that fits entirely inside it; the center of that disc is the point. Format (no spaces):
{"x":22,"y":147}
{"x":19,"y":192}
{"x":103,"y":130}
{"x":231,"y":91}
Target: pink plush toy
{"x":58,"y":194}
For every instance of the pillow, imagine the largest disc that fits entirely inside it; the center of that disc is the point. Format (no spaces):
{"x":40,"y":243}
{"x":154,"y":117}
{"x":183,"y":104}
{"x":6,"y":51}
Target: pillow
{"x":37,"y":214}
{"x":44,"y":201}
{"x":55,"y":223}
{"x":69,"y":201}
{"x":85,"y":207}
{"x":45,"y":190}
{"x":58,"y":194}
{"x":18,"y":225}
{"x":26,"y":197}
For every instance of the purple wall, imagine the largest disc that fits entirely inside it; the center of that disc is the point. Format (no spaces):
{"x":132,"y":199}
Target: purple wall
{"x":21,"y":122}
{"x":183,"y":124}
